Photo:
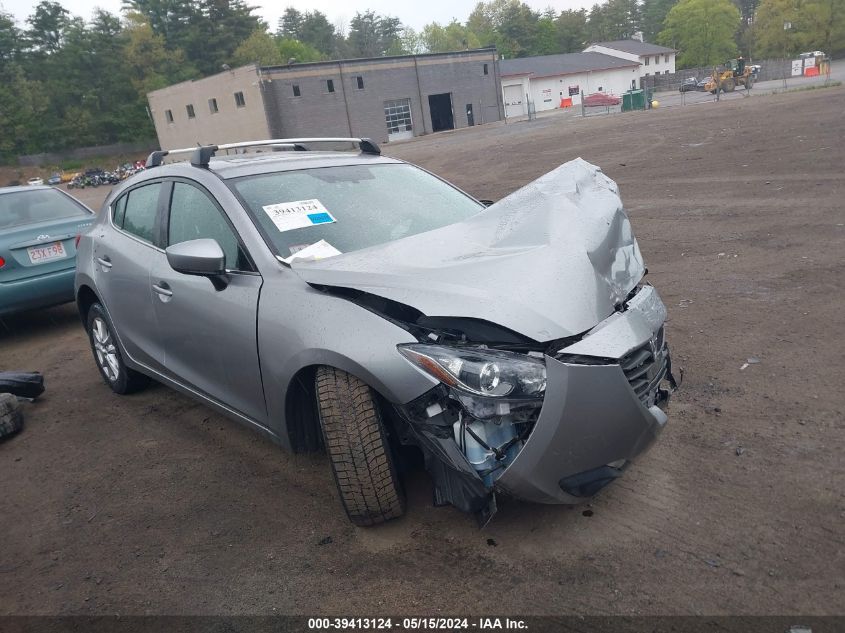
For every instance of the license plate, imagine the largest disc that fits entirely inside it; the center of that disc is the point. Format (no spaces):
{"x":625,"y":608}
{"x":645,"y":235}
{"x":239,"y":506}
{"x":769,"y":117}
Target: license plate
{"x":40,"y":254}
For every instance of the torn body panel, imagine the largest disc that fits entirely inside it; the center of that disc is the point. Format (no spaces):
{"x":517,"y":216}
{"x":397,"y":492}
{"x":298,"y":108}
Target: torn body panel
{"x":549,"y":261}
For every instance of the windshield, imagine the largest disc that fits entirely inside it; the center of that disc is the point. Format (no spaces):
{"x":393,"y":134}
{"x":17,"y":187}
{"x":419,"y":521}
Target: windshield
{"x":29,"y":207}
{"x":352,"y":206}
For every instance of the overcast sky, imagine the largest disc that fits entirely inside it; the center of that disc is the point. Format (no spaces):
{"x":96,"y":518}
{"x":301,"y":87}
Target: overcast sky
{"x":412,"y":13}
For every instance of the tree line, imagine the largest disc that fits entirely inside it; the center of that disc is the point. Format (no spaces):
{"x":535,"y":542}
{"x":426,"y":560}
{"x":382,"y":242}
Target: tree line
{"x":69,"y":82}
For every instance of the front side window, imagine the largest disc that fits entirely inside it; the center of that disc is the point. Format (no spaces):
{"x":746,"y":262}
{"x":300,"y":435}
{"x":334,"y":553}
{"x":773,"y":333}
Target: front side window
{"x":39,"y":205}
{"x":139,"y":213}
{"x":352,"y":206}
{"x":194,"y":216}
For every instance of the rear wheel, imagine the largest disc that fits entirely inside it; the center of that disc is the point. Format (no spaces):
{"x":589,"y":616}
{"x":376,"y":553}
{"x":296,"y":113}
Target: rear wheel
{"x":357,"y":446}
{"x":117,"y":375}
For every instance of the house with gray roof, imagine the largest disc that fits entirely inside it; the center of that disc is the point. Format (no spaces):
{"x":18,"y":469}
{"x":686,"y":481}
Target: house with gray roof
{"x":653,"y":59}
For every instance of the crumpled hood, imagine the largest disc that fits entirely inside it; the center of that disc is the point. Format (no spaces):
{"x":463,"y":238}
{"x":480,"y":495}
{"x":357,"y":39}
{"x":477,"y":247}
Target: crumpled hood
{"x":549,"y":261}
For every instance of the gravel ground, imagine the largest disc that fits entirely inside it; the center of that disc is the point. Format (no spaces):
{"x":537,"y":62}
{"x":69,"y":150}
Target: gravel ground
{"x":153,"y":504}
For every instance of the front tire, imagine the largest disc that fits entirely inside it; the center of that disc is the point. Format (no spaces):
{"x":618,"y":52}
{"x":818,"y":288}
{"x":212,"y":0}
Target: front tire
{"x":358,"y":449}
{"x":115,"y":373}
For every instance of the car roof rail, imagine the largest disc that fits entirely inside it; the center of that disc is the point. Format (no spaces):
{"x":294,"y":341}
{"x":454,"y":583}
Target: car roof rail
{"x":201,"y":155}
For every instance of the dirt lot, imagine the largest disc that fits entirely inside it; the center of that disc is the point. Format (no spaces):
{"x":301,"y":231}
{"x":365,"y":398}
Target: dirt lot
{"x":154,"y":504}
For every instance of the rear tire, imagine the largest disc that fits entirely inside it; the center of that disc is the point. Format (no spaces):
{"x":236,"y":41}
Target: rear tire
{"x":358,"y":449}
{"x":115,"y":373}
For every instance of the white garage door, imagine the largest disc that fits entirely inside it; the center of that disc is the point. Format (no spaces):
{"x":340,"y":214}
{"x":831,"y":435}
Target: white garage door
{"x":513,"y":101}
{"x":397,"y":115}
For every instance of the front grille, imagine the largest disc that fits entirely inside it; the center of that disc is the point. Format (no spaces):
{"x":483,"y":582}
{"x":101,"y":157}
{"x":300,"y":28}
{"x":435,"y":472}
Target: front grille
{"x":646,"y":366}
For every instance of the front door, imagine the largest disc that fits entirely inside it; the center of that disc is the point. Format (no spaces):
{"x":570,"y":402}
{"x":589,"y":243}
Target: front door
{"x":209,"y":331}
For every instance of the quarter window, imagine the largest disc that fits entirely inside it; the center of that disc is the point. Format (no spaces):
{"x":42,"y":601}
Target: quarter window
{"x":239,"y":99}
{"x":194,"y":216}
{"x":139,"y":214}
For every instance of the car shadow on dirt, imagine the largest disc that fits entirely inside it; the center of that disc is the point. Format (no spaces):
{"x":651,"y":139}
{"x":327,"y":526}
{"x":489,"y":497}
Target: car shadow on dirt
{"x":40,"y":322}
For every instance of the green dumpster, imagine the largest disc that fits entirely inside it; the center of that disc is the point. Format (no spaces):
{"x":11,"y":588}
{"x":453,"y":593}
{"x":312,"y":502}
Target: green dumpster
{"x":633,"y":100}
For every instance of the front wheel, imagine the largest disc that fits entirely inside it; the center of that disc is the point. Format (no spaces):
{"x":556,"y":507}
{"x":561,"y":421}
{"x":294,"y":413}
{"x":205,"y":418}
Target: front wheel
{"x":116,"y":374}
{"x":357,"y":446}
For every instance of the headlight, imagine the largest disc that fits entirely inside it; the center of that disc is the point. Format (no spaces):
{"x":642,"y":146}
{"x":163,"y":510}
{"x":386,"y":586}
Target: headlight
{"x":481,"y":372}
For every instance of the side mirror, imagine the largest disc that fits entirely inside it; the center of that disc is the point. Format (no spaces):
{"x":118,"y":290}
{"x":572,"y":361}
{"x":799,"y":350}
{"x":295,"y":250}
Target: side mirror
{"x":197,"y":257}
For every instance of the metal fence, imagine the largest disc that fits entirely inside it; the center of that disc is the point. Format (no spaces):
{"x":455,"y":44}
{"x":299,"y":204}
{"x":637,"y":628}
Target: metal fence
{"x":35,"y":160}
{"x":672,"y":82}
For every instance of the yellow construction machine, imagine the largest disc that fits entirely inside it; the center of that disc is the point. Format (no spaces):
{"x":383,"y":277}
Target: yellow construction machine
{"x":726,"y":78}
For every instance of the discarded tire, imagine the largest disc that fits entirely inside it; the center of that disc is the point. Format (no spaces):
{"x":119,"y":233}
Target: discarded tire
{"x":11,"y":419}
{"x":358,"y":449}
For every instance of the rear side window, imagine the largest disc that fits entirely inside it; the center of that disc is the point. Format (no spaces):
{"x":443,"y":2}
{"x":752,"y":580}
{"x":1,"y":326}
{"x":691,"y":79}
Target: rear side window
{"x":119,"y":211}
{"x":139,"y":214}
{"x":39,"y":205}
{"x":194,"y":216}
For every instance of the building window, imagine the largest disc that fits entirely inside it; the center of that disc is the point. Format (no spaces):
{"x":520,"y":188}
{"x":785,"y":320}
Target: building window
{"x":329,"y":85}
{"x":359,"y":81}
{"x":647,"y":59}
{"x":397,"y":115}
{"x":239,"y":99}
{"x":665,"y":72}
{"x":656,"y":59}
{"x":296,"y":92}
{"x":168,"y":114}
{"x":601,"y":89}
{"x":190,"y":109}
{"x":666,"y":59}
{"x":486,"y":70}
{"x":212,"y":106}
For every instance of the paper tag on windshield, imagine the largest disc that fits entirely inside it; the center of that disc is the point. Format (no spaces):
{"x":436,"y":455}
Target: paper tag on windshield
{"x":317,"y":250}
{"x":298,"y":214}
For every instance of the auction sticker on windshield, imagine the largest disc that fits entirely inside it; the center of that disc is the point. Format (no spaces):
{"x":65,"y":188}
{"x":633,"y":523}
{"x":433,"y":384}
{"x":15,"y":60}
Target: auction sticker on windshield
{"x":38,"y":254}
{"x":298,"y":214}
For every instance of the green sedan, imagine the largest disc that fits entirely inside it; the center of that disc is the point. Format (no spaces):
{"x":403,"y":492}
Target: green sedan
{"x":39,"y":229}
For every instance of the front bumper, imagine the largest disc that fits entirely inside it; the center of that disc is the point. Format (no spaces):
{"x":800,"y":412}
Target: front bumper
{"x":595,"y":417}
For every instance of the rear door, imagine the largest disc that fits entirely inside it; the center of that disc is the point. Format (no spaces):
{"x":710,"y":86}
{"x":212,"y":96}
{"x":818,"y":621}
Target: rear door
{"x":209,"y":332}
{"x":124,"y":253}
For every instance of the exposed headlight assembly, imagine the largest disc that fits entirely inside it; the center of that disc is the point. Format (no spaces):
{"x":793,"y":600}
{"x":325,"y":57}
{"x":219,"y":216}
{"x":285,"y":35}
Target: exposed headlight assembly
{"x":481,"y":372}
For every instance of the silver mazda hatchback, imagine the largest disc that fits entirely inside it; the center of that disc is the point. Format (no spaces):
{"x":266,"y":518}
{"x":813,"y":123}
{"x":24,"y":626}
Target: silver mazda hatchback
{"x":353,"y":303}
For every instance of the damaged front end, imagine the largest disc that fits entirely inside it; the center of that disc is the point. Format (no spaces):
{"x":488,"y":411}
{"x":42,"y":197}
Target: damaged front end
{"x":548,"y":349}
{"x":552,"y":424}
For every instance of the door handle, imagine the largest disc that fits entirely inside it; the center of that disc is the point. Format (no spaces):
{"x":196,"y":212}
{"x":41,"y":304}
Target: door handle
{"x":105,"y":262}
{"x":163,"y":290}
